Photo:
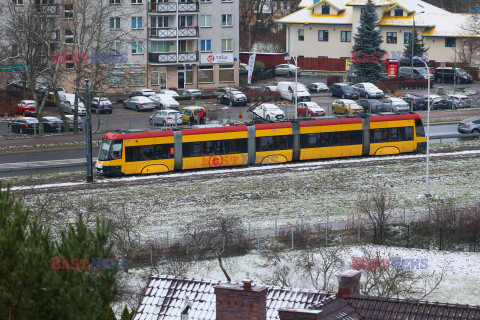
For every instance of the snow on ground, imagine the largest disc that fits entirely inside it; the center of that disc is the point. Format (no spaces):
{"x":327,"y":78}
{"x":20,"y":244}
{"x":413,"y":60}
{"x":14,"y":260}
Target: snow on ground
{"x":460,"y":284}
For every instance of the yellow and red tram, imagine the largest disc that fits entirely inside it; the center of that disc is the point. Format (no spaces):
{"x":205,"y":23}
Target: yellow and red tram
{"x":258,"y":144}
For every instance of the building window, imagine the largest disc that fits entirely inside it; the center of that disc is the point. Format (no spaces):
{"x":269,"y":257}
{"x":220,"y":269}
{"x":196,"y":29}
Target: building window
{"x":407,"y":37}
{"x":227,"y":0}
{"x":138,"y":78}
{"x":137,"y":1}
{"x":69,"y":11}
{"x":346,"y":36}
{"x":137,"y":47}
{"x":325,"y":9}
{"x":69,"y":63}
{"x":162,"y":46}
{"x":206,"y":20}
{"x":185,"y":21}
{"x":116,"y":78}
{"x":227,"y":73}
{"x":158,"y":22}
{"x":301,"y":34}
{"x":391,"y":37}
{"x":189,"y":75}
{"x":18,"y":2}
{"x":450,"y":42}
{"x":137,"y":22}
{"x":205,"y":74}
{"x":115,"y":47}
{"x":323,"y":35}
{"x":206,"y":1}
{"x":206,"y":45}
{"x":69,"y":38}
{"x":227,"y":20}
{"x":398,"y":12}
{"x":20,"y":24}
{"x":227,"y":45}
{"x":14,"y":49}
{"x":115,"y":2}
{"x":114,"y":23}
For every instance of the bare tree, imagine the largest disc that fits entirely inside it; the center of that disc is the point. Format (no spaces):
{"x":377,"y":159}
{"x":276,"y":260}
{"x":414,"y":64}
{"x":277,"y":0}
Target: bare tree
{"x":377,"y":206}
{"x":124,"y":227}
{"x":320,"y":264}
{"x":401,"y":278}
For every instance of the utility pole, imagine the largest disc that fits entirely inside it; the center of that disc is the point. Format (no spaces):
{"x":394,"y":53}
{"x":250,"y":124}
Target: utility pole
{"x":88,"y":127}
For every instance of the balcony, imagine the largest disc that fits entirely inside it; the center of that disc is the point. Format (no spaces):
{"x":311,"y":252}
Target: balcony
{"x":162,"y":57}
{"x":188,"y":32}
{"x":48,"y":9}
{"x":173,"y":57}
{"x":188,"y":56}
{"x":163,"y":33}
{"x":162,"y":7}
{"x":188,"y":7}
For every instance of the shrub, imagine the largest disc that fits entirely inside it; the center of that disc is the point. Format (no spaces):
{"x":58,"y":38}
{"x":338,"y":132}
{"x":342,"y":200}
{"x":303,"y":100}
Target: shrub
{"x":206,"y":96}
{"x":334,"y":79}
{"x":263,"y":96}
{"x":394,"y":84}
{"x":8,"y":99}
{"x":181,"y":98}
{"x":258,"y":65}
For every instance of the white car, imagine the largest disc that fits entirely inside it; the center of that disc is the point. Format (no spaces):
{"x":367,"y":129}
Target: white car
{"x":397,"y":104}
{"x":270,"y":88}
{"x":166,"y":117}
{"x":139,"y":104}
{"x":368,"y":90}
{"x":287,"y":91}
{"x":68,"y":104}
{"x":168,"y":92}
{"x":165,"y":101}
{"x":269,"y":112}
{"x":433,"y":98}
{"x":142,"y":93}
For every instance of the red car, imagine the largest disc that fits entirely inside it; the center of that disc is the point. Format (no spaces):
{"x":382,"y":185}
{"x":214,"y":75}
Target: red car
{"x":26,"y":107}
{"x":314,"y":110}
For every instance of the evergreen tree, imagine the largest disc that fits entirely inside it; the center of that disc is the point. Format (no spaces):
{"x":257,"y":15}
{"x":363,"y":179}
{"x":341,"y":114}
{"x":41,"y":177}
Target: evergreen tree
{"x":418,"y":50}
{"x":35,"y":286}
{"x":366,"y":49}
{"x":125,"y":314}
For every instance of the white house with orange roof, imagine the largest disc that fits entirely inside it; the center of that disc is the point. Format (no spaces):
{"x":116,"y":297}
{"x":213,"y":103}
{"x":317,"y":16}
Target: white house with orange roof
{"x":325,"y":28}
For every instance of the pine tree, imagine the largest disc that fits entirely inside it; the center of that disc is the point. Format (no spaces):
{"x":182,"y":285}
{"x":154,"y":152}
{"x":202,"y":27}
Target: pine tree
{"x":366,"y":49}
{"x":125,"y":314}
{"x":31,"y":284}
{"x":418,"y":49}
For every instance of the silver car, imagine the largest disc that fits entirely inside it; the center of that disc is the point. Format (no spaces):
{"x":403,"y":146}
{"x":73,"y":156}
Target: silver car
{"x":166,"y":117}
{"x":287,"y":70}
{"x":139,"y":103}
{"x":471,"y":125}
{"x":396,"y":104}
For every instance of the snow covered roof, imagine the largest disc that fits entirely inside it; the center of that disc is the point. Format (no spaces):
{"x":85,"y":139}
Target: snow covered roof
{"x":337,"y":4}
{"x":306,"y":15}
{"x":376,"y":3}
{"x":447,"y":25}
{"x":166,"y":297}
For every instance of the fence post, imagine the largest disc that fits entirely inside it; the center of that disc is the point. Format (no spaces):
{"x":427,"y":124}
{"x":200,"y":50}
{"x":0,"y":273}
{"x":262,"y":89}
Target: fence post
{"x":326,"y":231}
{"x":223,"y":243}
{"x":293,"y":231}
{"x":188,"y":244}
{"x":408,"y":236}
{"x":249,"y":229}
{"x":151,"y":252}
{"x":404,"y":215}
{"x":474,"y":239}
{"x":138,"y":233}
{"x":302,"y":224}
{"x":429,"y":212}
{"x":440,"y":241}
{"x":276,"y":227}
{"x":167,"y":237}
{"x":258,"y":240}
{"x":359,"y":226}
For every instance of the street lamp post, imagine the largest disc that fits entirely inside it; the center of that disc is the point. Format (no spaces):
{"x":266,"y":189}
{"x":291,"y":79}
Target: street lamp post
{"x":296,"y":68}
{"x":427,"y":182}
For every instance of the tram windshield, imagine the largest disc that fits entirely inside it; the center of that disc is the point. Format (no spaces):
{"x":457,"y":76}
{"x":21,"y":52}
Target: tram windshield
{"x":110,"y":150}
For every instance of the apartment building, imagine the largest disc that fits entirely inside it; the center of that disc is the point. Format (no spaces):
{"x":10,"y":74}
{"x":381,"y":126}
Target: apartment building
{"x":193,"y":44}
{"x":325,"y":28}
{"x":175,"y":44}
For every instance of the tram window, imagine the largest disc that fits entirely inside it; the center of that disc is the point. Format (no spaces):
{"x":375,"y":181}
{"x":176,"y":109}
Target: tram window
{"x":419,"y":128}
{"x":116,"y":151}
{"x":391,"y":134}
{"x":193,"y":149}
{"x":149,"y":152}
{"x":409,"y":133}
{"x":331,"y":139}
{"x":273,"y":143}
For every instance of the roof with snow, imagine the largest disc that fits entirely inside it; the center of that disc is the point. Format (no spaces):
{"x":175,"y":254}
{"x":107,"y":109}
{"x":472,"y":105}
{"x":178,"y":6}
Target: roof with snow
{"x":166,"y":297}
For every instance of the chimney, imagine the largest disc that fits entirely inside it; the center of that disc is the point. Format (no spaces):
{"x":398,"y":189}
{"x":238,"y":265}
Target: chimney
{"x":348,"y":283}
{"x":299,"y":314}
{"x":241,"y":302}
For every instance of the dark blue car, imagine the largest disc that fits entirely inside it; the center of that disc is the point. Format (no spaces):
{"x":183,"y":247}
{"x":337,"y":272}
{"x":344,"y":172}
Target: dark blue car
{"x":344,"y":91}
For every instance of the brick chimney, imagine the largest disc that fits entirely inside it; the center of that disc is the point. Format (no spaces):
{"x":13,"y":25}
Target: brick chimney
{"x":348,"y":283}
{"x":241,"y":302}
{"x":299,"y":314}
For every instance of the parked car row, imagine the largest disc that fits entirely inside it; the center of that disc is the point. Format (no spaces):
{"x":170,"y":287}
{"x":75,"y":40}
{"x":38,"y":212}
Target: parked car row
{"x":31,"y":125}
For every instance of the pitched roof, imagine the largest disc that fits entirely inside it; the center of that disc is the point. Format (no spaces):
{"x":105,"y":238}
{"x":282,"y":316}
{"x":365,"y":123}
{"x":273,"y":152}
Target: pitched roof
{"x":306,"y":15}
{"x":379,"y":308}
{"x":165,"y":297}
